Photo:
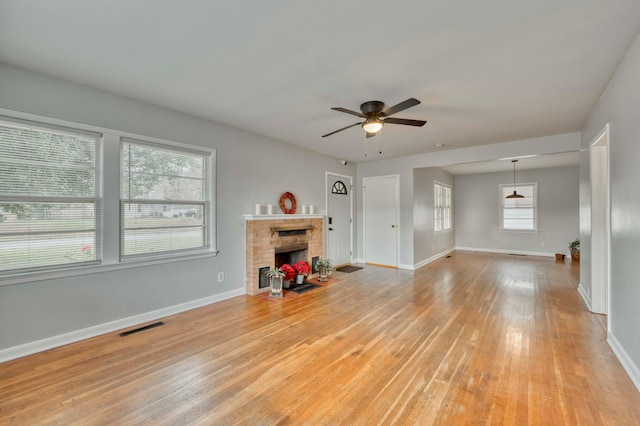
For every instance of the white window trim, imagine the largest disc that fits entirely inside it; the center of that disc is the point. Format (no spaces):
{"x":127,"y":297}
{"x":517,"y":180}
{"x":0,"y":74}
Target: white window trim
{"x":501,"y":228}
{"x":110,"y":192}
{"x":443,"y":230}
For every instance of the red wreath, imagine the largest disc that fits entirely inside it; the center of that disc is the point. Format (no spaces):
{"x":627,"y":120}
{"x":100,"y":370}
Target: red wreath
{"x":283,"y":205}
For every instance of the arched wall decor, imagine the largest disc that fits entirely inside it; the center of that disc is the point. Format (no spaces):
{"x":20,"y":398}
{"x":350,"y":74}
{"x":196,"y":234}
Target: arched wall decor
{"x":339,"y":188}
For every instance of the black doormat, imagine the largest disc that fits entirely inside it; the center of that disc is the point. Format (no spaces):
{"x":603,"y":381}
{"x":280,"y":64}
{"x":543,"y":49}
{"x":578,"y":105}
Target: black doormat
{"x":303,"y":288}
{"x":349,"y":268}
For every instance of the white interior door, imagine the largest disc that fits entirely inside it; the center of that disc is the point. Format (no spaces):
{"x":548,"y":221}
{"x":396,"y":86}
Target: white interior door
{"x":339,"y":220}
{"x":380,"y":204}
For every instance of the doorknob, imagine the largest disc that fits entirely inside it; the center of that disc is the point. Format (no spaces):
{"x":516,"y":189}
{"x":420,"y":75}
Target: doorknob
{"x":393,"y":226}
{"x":330,"y":229}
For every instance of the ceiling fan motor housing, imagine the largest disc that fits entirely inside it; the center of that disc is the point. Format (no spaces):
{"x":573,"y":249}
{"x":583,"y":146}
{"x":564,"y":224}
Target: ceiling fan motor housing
{"x":372,"y":107}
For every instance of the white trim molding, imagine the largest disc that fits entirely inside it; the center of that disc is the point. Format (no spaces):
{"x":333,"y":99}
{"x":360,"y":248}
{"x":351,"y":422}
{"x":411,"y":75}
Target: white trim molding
{"x":433,"y":258}
{"x":520,"y":252}
{"x":627,"y":363}
{"x":108,"y":327}
{"x":585,"y":296}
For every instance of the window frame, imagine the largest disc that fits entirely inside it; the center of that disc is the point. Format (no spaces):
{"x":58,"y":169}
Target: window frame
{"x":441,"y":206}
{"x":109,"y":190}
{"x":206,"y":202}
{"x":501,"y":200}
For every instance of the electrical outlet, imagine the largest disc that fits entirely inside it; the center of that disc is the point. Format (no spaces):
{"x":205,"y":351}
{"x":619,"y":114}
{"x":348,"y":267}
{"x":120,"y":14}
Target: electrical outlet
{"x":221,"y":277}
{"x":541,"y":243}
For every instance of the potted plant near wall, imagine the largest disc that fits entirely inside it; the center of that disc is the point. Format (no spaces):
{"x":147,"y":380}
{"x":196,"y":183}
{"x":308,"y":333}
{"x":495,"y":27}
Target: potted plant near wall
{"x":289,"y":274}
{"x":574,"y":247}
{"x":324,"y":268}
{"x":275,"y":281}
{"x":302,"y":270}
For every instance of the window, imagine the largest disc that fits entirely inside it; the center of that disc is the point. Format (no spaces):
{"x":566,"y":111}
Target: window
{"x":49,"y":196}
{"x":442,"y":211}
{"x":165,"y":208}
{"x":519,"y":214}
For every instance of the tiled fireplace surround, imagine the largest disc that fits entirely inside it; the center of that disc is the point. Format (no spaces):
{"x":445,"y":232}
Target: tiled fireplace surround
{"x":262,"y":240}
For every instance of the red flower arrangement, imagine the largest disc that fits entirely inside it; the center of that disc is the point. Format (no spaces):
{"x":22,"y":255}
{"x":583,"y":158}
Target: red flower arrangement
{"x":289,"y":272}
{"x":302,"y":268}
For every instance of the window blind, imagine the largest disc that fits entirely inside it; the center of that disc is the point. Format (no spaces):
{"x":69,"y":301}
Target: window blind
{"x":519,"y":213}
{"x":49,"y":196}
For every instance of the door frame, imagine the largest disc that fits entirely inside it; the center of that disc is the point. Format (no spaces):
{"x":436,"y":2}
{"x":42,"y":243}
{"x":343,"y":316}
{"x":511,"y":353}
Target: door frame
{"x":601,"y":209}
{"x":326,"y":209}
{"x":364,"y":215}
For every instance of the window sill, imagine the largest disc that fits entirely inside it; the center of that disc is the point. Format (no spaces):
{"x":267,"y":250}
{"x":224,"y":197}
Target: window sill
{"x":445,"y":231}
{"x":526,"y":231}
{"x":101,"y":268}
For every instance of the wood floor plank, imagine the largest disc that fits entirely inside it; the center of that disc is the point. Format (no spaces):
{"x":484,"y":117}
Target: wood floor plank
{"x":474,"y":339}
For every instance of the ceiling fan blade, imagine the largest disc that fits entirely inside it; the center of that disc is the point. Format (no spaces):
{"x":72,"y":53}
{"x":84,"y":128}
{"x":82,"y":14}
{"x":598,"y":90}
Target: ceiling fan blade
{"x":411,"y":102}
{"x":405,"y":121}
{"x":370,"y":135}
{"x":339,"y":130}
{"x":348,"y":111}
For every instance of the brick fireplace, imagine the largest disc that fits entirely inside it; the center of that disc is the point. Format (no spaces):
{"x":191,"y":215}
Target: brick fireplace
{"x":272,"y":240}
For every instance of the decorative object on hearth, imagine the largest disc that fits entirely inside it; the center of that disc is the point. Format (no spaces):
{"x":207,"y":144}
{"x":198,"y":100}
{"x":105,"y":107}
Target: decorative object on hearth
{"x":289,"y":274}
{"x":574,"y":247}
{"x":269,"y":208}
{"x":287,"y":196}
{"x":324,"y":268}
{"x":275,"y":281}
{"x":258,"y":209}
{"x":302,"y":270}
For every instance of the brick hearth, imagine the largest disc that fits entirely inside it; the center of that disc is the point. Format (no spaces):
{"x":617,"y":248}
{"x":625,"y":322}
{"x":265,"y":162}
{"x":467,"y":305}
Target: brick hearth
{"x":262,"y":242}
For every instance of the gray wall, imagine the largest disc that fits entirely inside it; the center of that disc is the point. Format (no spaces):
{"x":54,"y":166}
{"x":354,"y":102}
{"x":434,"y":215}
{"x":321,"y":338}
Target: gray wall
{"x":477,"y":211}
{"x":250,"y":169}
{"x":426,"y":243}
{"x":619,"y":106}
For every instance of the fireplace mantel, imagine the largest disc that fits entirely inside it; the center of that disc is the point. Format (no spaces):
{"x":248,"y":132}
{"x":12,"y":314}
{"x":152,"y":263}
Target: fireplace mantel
{"x":281,"y":216}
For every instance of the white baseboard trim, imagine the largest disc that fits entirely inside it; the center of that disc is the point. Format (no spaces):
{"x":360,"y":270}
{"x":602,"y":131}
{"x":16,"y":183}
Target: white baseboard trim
{"x":433,"y":258}
{"x":627,"y":363}
{"x":405,"y":266}
{"x":526,"y":253}
{"x":585,"y":297}
{"x":358,"y":261}
{"x":108,"y":327}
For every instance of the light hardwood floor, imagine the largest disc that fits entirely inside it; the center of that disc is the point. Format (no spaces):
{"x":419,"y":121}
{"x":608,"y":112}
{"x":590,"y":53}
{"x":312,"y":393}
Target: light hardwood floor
{"x":474,"y":339}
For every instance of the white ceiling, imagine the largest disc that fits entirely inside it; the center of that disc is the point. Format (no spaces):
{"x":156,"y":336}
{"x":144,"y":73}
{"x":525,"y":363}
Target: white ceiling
{"x":486,"y":71}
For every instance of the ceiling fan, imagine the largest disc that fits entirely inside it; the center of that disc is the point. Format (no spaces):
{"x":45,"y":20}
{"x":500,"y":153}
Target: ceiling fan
{"x":376,"y":115}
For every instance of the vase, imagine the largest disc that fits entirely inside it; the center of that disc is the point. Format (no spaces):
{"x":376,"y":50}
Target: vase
{"x":286,"y":284}
{"x":299,"y":279}
{"x":276,"y":286}
{"x":575,"y":257}
{"x":322,"y":274}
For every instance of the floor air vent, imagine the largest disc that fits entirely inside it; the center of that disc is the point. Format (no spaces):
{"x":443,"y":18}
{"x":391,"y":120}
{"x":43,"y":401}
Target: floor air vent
{"x":146,"y":327}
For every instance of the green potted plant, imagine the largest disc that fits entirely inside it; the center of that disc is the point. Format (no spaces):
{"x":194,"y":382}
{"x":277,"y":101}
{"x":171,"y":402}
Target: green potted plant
{"x":574,"y":247}
{"x":275,"y":281}
{"x":324,"y":268}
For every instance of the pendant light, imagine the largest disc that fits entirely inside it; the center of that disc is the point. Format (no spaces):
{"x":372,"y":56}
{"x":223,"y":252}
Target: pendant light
{"x":515,"y":194}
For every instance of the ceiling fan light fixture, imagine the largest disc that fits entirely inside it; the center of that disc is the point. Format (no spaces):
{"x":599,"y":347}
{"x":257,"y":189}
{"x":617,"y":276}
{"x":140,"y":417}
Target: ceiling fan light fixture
{"x":372,"y":125}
